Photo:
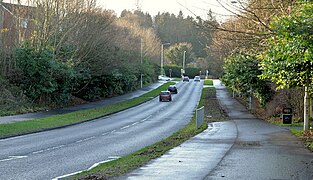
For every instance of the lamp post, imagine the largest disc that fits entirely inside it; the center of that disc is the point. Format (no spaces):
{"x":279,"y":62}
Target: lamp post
{"x":184,"y":59}
{"x":162,"y":56}
{"x":141,"y":49}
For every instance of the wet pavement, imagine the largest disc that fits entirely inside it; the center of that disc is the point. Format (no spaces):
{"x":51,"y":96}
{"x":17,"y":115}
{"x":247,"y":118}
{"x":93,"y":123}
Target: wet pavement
{"x":96,"y":104}
{"x":242,"y":148}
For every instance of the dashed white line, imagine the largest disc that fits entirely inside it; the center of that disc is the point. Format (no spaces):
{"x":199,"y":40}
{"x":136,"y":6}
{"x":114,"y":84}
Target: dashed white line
{"x":125,"y":127}
{"x":86,"y":139}
{"x":13,"y":158}
{"x":113,"y":131}
{"x":135,"y":123}
{"x":37,"y":152}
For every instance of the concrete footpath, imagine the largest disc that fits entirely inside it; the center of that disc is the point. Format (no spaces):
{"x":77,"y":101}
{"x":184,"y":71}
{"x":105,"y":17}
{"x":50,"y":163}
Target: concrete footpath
{"x":96,"y":104}
{"x":242,"y":148}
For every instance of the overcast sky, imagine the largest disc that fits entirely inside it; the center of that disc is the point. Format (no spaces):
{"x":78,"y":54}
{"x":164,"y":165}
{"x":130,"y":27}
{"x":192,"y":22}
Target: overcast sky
{"x":188,"y":7}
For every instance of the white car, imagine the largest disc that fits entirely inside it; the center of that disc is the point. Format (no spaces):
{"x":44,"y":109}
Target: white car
{"x":197,"y":78}
{"x":163,"y":78}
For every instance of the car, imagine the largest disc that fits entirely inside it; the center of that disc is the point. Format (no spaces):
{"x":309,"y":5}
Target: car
{"x":186,"y":79}
{"x":197,"y":78}
{"x":163,"y":78}
{"x":172,"y":89}
{"x":165,"y":96}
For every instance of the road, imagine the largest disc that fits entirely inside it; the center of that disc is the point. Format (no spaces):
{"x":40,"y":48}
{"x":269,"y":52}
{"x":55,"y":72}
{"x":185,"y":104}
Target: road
{"x":244,"y":147}
{"x":59,"y":152}
{"x":91,"y":105}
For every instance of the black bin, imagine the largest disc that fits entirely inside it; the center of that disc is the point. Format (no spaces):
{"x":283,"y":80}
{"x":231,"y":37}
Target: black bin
{"x":287,"y":116}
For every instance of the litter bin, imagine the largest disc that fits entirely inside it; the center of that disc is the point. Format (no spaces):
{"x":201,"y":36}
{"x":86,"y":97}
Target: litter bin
{"x":287,"y":116}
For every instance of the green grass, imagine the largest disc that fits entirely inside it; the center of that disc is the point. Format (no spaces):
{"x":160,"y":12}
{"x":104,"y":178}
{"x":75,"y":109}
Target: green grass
{"x":135,"y":160}
{"x":208,"y":82}
{"x":37,"y":125}
{"x":306,"y":136}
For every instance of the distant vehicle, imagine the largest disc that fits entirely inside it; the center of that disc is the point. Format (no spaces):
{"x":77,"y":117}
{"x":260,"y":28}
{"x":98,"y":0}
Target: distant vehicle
{"x":165,"y":96}
{"x":186,"y":79}
{"x":197,"y":78}
{"x":163,"y":78}
{"x":172,"y":89}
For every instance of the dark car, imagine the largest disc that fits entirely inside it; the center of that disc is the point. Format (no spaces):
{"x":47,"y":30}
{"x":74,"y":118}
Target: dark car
{"x":186,"y":79}
{"x":172,"y":89}
{"x":165,"y":96}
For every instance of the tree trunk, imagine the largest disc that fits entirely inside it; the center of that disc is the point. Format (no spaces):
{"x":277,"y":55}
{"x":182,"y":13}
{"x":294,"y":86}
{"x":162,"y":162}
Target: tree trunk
{"x":306,"y":109}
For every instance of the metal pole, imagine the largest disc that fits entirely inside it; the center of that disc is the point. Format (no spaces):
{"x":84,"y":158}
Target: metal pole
{"x":306,"y":109}
{"x":162,"y":56}
{"x":141,"y":49}
{"x":162,"y":59}
{"x":184,"y":59}
{"x":250,"y":99}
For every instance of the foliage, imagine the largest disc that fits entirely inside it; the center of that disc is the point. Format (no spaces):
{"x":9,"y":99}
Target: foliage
{"x":192,"y":72}
{"x":241,"y":74}
{"x":36,"y":125}
{"x":42,"y":78}
{"x":175,"y":54}
{"x":288,"y":58}
{"x":176,"y":70}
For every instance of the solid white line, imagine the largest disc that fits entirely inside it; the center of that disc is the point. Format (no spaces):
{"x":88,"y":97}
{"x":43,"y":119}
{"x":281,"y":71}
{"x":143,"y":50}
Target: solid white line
{"x":13,"y":158}
{"x":93,"y":166}
{"x":97,"y":164}
{"x":67,"y":175}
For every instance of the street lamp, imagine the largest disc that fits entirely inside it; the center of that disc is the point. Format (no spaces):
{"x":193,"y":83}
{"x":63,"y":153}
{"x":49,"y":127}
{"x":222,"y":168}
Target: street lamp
{"x":184,"y":59}
{"x":162,"y":56}
{"x":141,"y":49}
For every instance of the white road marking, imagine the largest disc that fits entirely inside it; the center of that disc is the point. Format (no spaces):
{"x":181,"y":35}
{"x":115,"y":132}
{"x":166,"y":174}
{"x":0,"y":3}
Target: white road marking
{"x":125,"y":127}
{"x":93,"y":166}
{"x":135,"y":123}
{"x":67,"y":175}
{"x":37,"y":152}
{"x":13,"y":158}
{"x":86,"y":139}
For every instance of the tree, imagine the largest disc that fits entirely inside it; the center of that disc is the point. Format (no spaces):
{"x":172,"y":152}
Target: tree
{"x":241,"y":74}
{"x":288,"y":60}
{"x":174,"y":55}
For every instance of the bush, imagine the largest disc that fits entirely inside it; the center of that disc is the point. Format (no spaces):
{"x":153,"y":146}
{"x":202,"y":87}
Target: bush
{"x":42,"y":78}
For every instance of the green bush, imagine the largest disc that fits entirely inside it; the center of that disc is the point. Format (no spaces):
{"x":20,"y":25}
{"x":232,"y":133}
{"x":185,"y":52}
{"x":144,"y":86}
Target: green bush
{"x":42,"y":78}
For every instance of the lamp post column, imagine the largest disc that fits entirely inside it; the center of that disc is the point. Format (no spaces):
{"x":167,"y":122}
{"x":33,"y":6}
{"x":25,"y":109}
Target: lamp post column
{"x":162,"y":56}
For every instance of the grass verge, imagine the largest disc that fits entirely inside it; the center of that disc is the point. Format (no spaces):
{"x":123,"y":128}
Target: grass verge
{"x":135,"y":160}
{"x":37,"y":125}
{"x":208,"y":82}
{"x":306,"y":136}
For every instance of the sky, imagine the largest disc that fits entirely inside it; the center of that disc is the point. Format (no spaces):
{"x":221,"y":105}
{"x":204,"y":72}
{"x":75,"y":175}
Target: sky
{"x":188,"y":7}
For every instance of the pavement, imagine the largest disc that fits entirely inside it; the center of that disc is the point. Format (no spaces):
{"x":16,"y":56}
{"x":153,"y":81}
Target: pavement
{"x":96,"y":104}
{"x":244,"y":147}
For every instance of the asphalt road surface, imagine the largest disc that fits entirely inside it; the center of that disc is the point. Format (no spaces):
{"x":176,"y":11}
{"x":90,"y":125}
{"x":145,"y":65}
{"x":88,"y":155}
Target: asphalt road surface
{"x":243,"y":148}
{"x":59,"y":152}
